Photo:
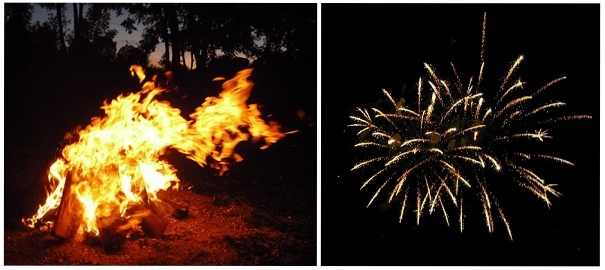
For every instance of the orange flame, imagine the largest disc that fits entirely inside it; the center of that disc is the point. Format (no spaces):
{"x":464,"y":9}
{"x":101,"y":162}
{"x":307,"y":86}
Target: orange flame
{"x":116,"y":159}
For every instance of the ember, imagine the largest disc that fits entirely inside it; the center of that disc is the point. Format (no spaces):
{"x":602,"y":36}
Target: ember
{"x":110,"y":177}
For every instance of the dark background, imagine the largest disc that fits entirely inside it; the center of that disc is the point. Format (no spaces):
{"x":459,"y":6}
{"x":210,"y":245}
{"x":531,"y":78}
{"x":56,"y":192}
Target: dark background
{"x":367,"y":47}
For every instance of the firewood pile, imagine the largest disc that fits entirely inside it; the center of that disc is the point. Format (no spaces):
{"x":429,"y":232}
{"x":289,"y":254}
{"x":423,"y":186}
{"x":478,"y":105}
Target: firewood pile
{"x":148,"y":218}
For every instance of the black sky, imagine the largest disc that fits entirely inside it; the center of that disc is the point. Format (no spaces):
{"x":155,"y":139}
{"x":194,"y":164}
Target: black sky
{"x":366,"y":47}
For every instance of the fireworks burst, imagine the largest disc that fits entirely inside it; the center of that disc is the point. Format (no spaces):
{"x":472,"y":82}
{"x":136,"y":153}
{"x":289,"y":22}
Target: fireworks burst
{"x":431,"y":153}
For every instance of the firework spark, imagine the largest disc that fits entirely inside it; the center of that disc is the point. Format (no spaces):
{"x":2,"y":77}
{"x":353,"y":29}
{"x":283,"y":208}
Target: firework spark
{"x":454,"y":141}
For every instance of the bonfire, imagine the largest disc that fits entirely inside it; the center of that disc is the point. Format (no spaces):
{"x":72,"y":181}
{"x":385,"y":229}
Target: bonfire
{"x":110,"y":178}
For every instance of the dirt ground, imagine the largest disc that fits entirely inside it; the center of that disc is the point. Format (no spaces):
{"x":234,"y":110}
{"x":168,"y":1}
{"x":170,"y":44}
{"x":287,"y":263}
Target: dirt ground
{"x":218,"y":231}
{"x":263,"y":212}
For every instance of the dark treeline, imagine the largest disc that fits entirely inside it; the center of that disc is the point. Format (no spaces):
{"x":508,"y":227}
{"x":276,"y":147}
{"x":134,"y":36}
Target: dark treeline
{"x":58,"y":72}
{"x":201,"y":30}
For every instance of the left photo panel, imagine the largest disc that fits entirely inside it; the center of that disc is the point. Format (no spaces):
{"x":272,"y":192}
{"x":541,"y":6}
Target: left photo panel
{"x":160,"y":134}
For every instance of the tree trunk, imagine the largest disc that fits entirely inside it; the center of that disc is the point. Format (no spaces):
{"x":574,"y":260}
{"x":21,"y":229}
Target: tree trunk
{"x":166,"y":41}
{"x":191,"y":26}
{"x":195,"y":55}
{"x":173,"y":24}
{"x":76,"y":22}
{"x":202,"y":61}
{"x":74,"y":46}
{"x":183,"y":58}
{"x":59,"y":8}
{"x":80,"y":11}
{"x":191,"y":60}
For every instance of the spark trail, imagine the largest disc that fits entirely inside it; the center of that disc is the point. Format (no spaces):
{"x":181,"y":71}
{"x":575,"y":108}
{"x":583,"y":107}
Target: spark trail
{"x":451,"y":143}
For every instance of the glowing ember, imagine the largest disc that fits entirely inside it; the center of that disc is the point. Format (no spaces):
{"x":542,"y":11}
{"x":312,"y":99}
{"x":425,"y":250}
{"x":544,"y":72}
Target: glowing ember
{"x":115,"y":162}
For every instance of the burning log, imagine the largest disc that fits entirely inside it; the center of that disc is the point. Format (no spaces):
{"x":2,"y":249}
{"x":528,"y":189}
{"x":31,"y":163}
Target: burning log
{"x":178,"y":210}
{"x":112,"y":227}
{"x":153,"y":225}
{"x":69,"y":212}
{"x":160,"y":208}
{"x":166,"y":208}
{"x":112,"y":236}
{"x":109,"y":237}
{"x":45,"y":224}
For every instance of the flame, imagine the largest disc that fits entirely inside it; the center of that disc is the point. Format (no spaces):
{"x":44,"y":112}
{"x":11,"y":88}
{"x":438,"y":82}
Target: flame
{"x":117,"y":159}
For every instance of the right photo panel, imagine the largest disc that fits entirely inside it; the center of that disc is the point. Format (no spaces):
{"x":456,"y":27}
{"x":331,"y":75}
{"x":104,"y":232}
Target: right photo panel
{"x":459,"y":134}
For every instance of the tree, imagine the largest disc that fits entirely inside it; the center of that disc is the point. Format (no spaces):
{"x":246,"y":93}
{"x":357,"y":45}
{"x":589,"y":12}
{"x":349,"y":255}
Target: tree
{"x":291,"y":31}
{"x":153,"y":18}
{"x":96,"y":32}
{"x":249,"y":29}
{"x":173,"y":26}
{"x":129,"y":55}
{"x":17,"y":37}
{"x":211,"y":30}
{"x":59,"y":9}
{"x":17,"y":16}
{"x":77,"y":10}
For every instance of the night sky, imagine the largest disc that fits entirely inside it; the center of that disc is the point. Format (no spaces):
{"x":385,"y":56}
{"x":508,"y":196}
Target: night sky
{"x":367,"y":47}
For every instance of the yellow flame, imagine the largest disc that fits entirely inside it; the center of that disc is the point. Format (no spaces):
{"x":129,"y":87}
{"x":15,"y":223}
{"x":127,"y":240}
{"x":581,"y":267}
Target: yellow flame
{"x":116,"y":160}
